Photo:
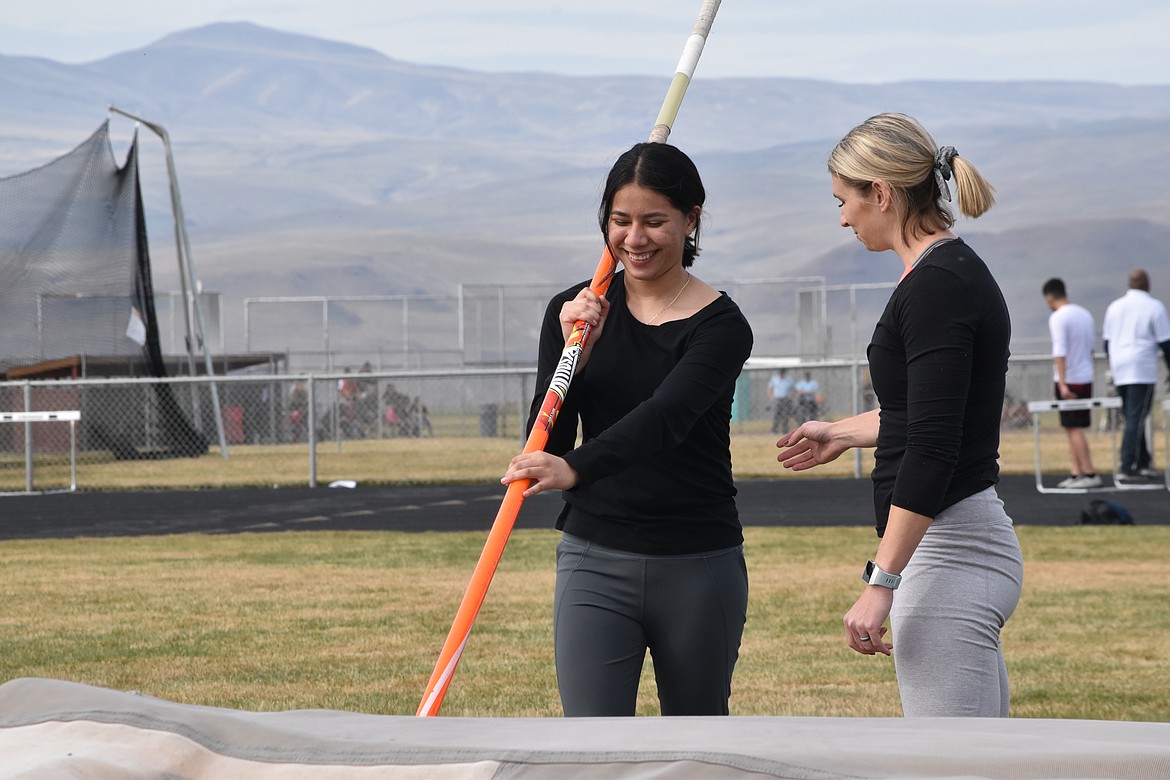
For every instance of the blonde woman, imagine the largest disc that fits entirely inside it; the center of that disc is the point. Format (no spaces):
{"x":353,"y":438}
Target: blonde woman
{"x":947,"y":570}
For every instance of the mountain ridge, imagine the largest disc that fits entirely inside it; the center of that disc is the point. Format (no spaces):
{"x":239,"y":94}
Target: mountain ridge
{"x":280,"y":138}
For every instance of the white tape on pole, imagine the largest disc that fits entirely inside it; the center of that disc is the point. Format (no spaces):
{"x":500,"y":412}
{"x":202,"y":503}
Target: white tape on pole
{"x":690,"y":56}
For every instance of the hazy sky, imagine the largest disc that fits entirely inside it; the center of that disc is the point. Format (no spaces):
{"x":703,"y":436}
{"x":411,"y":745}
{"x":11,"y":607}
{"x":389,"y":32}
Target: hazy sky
{"x":1123,"y":42}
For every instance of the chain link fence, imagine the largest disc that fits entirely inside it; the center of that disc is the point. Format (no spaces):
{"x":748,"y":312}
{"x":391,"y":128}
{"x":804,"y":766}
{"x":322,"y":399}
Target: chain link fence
{"x":120,"y":443}
{"x":311,"y":420}
{"x":499,"y":324}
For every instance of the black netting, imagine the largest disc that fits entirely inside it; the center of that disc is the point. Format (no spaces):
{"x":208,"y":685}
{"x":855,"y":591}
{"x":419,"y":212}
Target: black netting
{"x":75,"y":285}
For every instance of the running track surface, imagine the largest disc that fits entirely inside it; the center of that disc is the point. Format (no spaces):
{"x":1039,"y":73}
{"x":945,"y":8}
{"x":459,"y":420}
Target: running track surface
{"x":765,"y":502}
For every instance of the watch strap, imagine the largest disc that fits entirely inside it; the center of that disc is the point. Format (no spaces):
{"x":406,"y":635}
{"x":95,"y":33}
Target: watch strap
{"x":874,"y":575}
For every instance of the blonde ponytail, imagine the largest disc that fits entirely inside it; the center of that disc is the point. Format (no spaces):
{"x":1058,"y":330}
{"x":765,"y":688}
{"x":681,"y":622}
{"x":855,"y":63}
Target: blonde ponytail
{"x":975,"y":196}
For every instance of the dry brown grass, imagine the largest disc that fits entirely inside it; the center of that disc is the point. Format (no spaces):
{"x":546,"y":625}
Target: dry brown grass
{"x":354,"y":621}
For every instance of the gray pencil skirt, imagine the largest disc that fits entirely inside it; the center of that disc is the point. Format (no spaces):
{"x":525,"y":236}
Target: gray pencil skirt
{"x":958,"y":591}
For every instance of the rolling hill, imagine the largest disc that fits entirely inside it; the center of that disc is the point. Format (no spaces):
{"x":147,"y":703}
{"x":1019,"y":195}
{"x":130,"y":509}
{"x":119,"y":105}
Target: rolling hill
{"x":316,"y":167}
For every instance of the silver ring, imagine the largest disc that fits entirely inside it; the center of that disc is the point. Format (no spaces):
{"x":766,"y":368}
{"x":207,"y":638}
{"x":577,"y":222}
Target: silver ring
{"x":863,"y":638}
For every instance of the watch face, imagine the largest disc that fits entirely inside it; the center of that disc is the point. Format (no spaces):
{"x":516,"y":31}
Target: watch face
{"x":875,"y":576}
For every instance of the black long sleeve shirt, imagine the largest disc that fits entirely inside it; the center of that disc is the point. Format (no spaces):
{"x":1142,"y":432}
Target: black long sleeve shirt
{"x":938,"y":361}
{"x":654,"y":404}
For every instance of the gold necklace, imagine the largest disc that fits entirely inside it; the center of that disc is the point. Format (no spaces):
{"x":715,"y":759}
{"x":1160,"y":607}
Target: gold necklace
{"x":672,"y":300}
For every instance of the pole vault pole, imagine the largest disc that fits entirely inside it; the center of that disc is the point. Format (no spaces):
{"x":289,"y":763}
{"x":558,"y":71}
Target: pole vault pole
{"x":493,"y":549}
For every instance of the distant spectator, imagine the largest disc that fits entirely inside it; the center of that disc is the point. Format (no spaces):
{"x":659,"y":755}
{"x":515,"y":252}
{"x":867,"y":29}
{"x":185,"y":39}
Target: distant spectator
{"x":1135,"y":328}
{"x":868,"y":397}
{"x":1073,"y":335}
{"x":397,"y":407}
{"x":807,"y":391}
{"x":298,"y":410}
{"x":347,"y":409}
{"x":780,"y":389}
{"x":367,"y":400}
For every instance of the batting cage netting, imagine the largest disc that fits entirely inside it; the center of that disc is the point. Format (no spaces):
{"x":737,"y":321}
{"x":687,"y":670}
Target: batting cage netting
{"x":77,"y":300}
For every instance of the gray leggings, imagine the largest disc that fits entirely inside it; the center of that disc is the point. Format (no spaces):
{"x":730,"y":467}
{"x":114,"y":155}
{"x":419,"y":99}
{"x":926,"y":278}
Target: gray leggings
{"x":610,"y":606}
{"x":960,"y":587}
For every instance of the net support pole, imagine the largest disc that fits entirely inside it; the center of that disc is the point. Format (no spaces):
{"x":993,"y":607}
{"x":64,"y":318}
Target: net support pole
{"x":191,"y":303}
{"x":493,"y":550}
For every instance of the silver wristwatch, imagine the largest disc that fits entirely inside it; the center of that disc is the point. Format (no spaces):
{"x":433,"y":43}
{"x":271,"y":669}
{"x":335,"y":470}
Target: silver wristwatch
{"x":873,"y":575}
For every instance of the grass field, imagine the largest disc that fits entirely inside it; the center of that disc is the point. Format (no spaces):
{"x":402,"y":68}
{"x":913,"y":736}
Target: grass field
{"x":354,"y":621}
{"x":455,"y":459}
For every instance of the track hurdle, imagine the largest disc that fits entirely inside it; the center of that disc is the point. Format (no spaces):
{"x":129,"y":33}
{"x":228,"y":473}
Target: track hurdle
{"x":28,"y":418}
{"x":1037,"y":408}
{"x":1166,"y":442}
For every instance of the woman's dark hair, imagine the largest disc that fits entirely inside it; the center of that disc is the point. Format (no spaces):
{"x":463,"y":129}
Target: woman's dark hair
{"x":666,"y":170}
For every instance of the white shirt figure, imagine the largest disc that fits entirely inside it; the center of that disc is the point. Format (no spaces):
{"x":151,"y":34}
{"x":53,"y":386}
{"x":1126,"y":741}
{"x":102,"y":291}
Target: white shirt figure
{"x":1135,"y":324}
{"x":1073,"y":335}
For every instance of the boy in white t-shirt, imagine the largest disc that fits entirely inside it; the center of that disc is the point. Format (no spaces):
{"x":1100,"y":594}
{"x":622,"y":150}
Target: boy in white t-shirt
{"x":1073,"y":335}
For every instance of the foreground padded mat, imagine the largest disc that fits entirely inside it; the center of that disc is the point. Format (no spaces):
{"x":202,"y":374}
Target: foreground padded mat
{"x":50,"y":728}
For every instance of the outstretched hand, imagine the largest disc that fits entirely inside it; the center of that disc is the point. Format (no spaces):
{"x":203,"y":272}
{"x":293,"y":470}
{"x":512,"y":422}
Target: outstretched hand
{"x":810,"y":445}
{"x":547,"y":472}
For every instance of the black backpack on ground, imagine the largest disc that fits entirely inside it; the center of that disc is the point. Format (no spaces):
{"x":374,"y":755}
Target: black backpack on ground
{"x":1102,"y":512}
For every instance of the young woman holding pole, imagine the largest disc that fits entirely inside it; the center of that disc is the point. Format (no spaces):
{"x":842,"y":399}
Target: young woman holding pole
{"x":652,"y":552}
{"x":546,"y":416}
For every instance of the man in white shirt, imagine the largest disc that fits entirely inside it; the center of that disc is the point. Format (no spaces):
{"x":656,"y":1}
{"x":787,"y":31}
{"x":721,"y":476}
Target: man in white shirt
{"x":1135,"y":328}
{"x":1073,"y":335}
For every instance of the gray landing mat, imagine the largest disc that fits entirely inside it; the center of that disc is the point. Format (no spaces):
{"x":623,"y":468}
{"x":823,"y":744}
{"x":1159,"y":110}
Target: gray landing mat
{"x":51,"y":728}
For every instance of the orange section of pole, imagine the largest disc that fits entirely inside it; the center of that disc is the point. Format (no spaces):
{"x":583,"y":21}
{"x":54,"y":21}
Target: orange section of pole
{"x":493,"y":549}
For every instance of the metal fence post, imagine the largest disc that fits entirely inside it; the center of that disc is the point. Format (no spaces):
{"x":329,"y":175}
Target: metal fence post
{"x":312,"y":431}
{"x":521,"y":410}
{"x":28,"y":447}
{"x":188,"y":281}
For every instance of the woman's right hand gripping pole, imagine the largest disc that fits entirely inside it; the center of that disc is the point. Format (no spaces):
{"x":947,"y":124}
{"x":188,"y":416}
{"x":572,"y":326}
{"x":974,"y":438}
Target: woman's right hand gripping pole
{"x":589,"y":307}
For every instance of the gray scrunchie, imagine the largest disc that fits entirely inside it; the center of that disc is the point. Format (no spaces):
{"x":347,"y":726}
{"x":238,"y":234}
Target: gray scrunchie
{"x":942,"y":169}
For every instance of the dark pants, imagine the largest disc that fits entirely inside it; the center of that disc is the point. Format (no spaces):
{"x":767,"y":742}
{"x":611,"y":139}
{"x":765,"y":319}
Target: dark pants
{"x":1135,"y":408}
{"x":783,"y":414}
{"x":611,"y":606}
